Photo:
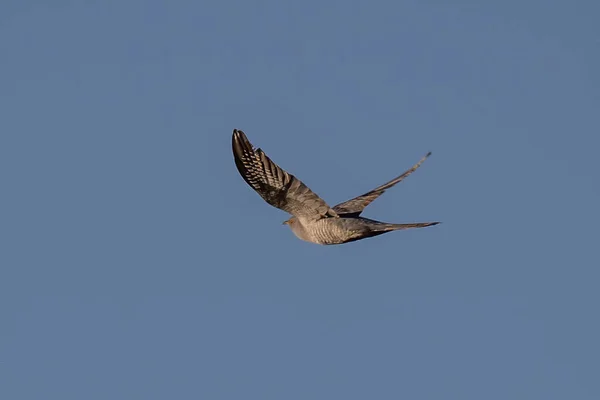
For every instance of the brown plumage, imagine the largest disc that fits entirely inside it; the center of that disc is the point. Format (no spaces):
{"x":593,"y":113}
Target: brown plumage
{"x":312,"y":219}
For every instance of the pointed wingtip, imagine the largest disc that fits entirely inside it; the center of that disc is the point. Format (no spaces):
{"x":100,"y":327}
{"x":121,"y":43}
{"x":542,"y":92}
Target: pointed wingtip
{"x":238,"y":132}
{"x":239,"y":138}
{"x":240,"y":145}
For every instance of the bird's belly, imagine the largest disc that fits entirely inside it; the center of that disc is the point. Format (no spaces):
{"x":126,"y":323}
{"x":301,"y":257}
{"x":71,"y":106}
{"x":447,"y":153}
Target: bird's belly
{"x":331,"y":231}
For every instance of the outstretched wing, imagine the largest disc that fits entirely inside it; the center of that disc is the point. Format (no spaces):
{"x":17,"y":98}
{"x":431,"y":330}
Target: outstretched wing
{"x":357,"y":205}
{"x":277,"y":187}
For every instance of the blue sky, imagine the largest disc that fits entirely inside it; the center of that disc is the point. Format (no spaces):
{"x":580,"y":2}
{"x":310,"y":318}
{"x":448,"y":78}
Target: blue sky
{"x":136,"y":263}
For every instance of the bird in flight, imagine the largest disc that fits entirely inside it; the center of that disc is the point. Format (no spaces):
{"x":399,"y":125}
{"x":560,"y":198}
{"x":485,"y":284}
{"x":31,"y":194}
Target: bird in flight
{"x":312,"y":219}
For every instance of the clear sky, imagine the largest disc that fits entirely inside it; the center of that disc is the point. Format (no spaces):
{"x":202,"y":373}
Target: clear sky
{"x":135,"y":262}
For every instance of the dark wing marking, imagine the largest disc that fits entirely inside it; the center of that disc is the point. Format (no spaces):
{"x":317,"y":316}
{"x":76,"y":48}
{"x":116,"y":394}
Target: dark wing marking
{"x":357,"y":205}
{"x":277,"y":187}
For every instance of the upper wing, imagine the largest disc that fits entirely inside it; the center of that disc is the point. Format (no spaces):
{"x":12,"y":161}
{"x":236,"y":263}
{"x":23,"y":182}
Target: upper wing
{"x":277,"y":187}
{"x":358,"y":204}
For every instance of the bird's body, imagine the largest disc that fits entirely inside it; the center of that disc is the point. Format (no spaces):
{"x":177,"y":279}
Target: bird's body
{"x":312,"y":219}
{"x":343,"y":229}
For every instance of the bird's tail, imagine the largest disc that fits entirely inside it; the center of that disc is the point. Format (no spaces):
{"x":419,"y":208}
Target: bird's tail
{"x":397,"y":227}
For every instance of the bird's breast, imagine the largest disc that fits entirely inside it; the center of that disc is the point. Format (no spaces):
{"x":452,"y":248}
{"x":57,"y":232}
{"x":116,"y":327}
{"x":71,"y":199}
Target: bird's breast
{"x":323,"y":231}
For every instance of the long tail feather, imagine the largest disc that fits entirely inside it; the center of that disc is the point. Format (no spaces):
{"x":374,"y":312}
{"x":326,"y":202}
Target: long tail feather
{"x":397,"y":227}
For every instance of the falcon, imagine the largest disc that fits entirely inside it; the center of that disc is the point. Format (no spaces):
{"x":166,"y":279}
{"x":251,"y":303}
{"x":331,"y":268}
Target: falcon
{"x":312,"y":219}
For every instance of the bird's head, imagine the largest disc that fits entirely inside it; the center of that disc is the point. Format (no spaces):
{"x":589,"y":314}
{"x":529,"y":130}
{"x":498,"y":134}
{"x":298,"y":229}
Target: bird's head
{"x":289,"y":221}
